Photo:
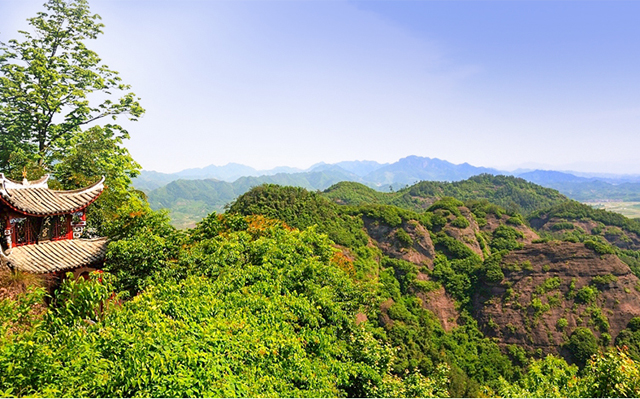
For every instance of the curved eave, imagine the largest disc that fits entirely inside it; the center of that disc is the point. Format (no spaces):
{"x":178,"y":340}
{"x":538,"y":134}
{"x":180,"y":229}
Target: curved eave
{"x":56,"y":256}
{"x":29,"y":212}
{"x":65,"y":212}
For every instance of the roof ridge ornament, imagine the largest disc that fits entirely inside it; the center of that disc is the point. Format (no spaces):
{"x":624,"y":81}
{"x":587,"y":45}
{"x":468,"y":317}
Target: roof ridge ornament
{"x":9,"y":184}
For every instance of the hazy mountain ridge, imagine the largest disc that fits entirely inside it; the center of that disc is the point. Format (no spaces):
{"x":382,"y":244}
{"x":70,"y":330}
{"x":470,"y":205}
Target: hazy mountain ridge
{"x":191,"y":200}
{"x":188,"y":200}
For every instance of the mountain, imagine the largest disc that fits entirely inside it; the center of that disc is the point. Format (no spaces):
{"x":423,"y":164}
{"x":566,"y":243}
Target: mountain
{"x":228,"y":172}
{"x":507,"y":191}
{"x":432,"y":173}
{"x":585,"y":188}
{"x":562,"y":281}
{"x":406,"y":171}
{"x":292,"y":293}
{"x":361,"y":168}
{"x":149,"y":180}
{"x":413,"y":169}
{"x":191,"y":200}
{"x":546,"y":177}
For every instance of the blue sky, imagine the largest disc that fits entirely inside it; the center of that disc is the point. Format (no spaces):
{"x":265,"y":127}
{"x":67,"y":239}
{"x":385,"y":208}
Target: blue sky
{"x":268,"y":83}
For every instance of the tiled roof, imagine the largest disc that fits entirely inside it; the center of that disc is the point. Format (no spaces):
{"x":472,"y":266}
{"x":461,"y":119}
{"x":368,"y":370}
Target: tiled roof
{"x":35,"y":198}
{"x":55,"y":256}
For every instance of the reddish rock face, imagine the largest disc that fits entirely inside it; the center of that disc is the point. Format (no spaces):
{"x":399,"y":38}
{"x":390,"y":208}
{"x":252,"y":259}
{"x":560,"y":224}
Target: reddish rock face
{"x":466,"y":235}
{"x":615,"y":236}
{"x":543,"y":284}
{"x":493,"y":222}
{"x":421,"y":252}
{"x":442,"y":306}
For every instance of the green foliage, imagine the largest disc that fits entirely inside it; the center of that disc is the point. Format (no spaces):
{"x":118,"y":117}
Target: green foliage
{"x":562,"y":226}
{"x":561,"y":324}
{"x":259,"y":312}
{"x":550,"y":377}
{"x":352,"y":193}
{"x":92,"y":154}
{"x":453,"y":248}
{"x":600,"y":247}
{"x":447,"y":203}
{"x":481,"y":208}
{"x":460,"y":222}
{"x":300,"y":208}
{"x":404,"y":238}
{"x":414,"y":385}
{"x":598,"y":229}
{"x":404,"y":272}
{"x":599,"y":319}
{"x":634,"y":324}
{"x":550,"y":284}
{"x":505,"y":238}
{"x":389,"y":215}
{"x":631,"y":258}
{"x":457,"y":276}
{"x":515,"y":220}
{"x":509,"y":192}
{"x":492,"y":268}
{"x":18,"y":313}
{"x":587,"y":294}
{"x":604,"y":279}
{"x":608,"y":375}
{"x":48,"y":83}
{"x":81,"y":300}
{"x":612,"y":375}
{"x":630,"y":338}
{"x":572,"y":210}
{"x":143,"y":243}
{"x":582,"y":344}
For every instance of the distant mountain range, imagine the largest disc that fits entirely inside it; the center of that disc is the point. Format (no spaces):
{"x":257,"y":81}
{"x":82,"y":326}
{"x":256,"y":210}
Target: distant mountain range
{"x":407,"y":170}
{"x":193,"y":193}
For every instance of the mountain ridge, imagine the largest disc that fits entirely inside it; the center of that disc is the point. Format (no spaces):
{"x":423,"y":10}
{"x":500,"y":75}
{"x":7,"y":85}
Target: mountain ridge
{"x":380,"y":177}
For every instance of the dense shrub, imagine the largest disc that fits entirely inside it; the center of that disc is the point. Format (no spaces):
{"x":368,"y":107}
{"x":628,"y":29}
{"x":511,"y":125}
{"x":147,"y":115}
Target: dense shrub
{"x":505,"y":238}
{"x":492,"y":269}
{"x":587,"y":294}
{"x":563,"y":226}
{"x":460,"y":222}
{"x":259,"y":312}
{"x":448,"y":203}
{"x":404,"y":238}
{"x":582,"y":344}
{"x":600,"y":247}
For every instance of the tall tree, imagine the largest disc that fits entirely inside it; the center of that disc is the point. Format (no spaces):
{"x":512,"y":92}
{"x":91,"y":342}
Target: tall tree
{"x":54,"y":92}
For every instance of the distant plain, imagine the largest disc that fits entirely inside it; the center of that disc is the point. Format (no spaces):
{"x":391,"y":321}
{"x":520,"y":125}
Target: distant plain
{"x":628,"y":209}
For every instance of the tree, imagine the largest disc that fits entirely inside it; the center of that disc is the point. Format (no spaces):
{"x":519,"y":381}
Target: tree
{"x":582,"y":345}
{"x":50,"y":84}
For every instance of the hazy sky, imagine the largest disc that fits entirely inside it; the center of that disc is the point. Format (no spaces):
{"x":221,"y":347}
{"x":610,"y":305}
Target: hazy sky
{"x":269,"y":83}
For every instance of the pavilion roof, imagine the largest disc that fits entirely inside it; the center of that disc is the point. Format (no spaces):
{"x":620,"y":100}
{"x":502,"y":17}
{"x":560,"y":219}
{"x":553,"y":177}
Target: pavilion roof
{"x":35,"y":198}
{"x":55,"y":256}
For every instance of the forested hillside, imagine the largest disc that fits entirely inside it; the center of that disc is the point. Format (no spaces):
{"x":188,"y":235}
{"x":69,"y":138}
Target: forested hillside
{"x":507,"y":191}
{"x":473,"y":284}
{"x":191,"y":200}
{"x":428,"y":178}
{"x":489,"y":286}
